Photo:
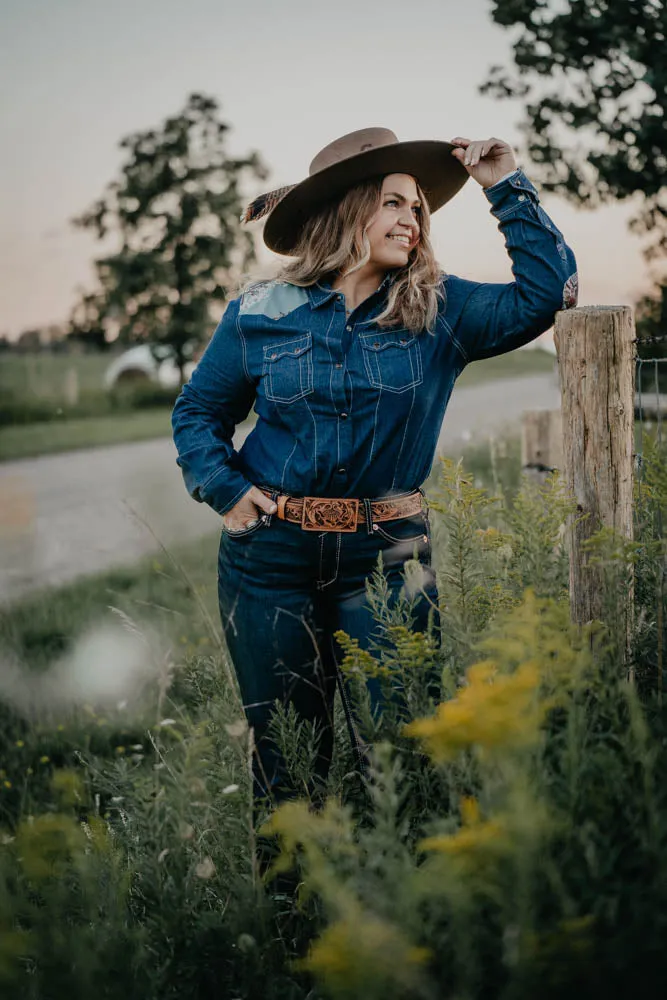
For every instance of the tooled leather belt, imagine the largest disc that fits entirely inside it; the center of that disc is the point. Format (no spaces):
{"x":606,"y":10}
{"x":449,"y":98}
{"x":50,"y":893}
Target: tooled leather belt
{"x":339,"y":514}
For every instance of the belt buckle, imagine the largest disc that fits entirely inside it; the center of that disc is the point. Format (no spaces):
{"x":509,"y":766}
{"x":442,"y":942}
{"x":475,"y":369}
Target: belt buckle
{"x":321,"y":514}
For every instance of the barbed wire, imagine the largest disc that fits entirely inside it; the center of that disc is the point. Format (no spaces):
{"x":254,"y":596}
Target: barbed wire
{"x":659,"y":338}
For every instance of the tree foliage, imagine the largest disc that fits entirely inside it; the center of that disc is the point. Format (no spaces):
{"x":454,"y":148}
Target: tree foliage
{"x":593,"y":79}
{"x":174,"y":212}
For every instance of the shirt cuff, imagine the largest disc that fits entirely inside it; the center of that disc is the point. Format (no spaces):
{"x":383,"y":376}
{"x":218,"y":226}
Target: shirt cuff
{"x":505,"y":177}
{"x":224,"y":490}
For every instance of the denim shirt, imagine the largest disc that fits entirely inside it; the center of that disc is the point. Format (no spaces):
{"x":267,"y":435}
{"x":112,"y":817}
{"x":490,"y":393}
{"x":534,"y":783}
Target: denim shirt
{"x":344,"y":407}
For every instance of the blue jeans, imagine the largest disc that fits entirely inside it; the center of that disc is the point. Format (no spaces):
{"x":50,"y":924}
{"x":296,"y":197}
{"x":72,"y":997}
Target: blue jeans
{"x":283,"y":592}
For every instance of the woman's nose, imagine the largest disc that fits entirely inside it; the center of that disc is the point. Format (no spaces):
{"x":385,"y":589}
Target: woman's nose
{"x":407,"y":219}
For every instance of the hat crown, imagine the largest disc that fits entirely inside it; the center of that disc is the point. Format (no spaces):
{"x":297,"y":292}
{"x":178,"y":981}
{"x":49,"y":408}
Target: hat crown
{"x":351,"y":145}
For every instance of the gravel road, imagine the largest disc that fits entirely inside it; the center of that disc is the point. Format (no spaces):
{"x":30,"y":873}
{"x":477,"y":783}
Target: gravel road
{"x":81,"y":512}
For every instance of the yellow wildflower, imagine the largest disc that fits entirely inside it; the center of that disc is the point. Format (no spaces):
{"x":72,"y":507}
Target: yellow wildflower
{"x":120,"y":750}
{"x":7,"y":784}
{"x":357,"y":660}
{"x":19,"y":743}
{"x":360,"y":952}
{"x":475,"y":841}
{"x":492,"y":711}
{"x":297,"y":826}
{"x":44,"y":759}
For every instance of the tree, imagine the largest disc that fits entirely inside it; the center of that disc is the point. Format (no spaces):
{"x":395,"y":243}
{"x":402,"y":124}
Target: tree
{"x":175,"y":210}
{"x":593,"y":76}
{"x":88,"y":324}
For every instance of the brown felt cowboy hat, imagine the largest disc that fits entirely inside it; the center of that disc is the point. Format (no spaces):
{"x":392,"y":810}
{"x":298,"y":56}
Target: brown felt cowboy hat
{"x":353,"y":158}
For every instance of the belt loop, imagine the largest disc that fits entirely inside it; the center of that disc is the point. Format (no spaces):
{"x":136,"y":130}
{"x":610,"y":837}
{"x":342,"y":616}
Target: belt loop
{"x":267,"y":518}
{"x":368,"y":512}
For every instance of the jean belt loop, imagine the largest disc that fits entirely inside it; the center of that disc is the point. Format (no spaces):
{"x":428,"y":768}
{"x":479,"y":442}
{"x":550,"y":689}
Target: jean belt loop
{"x":274,"y":498}
{"x":368,"y":511}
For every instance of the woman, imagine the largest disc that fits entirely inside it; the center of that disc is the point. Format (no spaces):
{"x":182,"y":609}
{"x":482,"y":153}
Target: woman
{"x":350,"y":358}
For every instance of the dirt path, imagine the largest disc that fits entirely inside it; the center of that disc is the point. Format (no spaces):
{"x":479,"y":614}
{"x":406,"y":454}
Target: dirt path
{"x":70,"y":514}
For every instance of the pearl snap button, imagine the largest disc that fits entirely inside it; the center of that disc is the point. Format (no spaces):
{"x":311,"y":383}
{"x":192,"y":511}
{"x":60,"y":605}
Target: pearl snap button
{"x":349,"y":329}
{"x":522,"y":197}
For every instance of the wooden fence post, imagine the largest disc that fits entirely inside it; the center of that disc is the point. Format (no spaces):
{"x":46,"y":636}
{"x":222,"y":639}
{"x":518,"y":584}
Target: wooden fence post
{"x":595,"y":348}
{"x":541,"y":443}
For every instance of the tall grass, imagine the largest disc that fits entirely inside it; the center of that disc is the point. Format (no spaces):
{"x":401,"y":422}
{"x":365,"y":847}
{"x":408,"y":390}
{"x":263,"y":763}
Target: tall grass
{"x":508,"y":840}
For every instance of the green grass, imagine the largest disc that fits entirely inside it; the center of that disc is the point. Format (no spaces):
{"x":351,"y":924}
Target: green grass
{"x":127,"y":830}
{"x":175,"y":593}
{"x":29,"y":440}
{"x":45,"y":375}
{"x":512,"y":365}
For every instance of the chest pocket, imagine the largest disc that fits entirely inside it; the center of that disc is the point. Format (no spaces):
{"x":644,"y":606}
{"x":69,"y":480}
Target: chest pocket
{"x":392,"y":360}
{"x":288,"y":369}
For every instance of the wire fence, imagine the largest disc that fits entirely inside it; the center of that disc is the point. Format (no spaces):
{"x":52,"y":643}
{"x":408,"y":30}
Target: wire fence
{"x":650,"y":404}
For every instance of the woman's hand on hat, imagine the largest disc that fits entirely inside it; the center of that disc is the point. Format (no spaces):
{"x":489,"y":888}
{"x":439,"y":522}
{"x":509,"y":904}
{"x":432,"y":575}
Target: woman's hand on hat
{"x":248,"y":510}
{"x":486,"y":160}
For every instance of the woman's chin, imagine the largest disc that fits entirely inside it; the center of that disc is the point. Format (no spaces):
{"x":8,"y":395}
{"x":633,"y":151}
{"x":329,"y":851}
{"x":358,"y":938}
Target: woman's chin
{"x":397,"y":258}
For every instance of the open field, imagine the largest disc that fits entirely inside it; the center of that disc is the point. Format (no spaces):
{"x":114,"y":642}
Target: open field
{"x":511,"y":365}
{"x":30,"y":440}
{"x":45,"y":375}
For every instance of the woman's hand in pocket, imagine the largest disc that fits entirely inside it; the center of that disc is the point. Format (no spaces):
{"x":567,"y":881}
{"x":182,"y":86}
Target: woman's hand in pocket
{"x":248,"y":510}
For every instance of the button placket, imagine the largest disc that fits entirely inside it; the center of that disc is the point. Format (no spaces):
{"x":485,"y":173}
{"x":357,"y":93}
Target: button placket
{"x":339,"y":348}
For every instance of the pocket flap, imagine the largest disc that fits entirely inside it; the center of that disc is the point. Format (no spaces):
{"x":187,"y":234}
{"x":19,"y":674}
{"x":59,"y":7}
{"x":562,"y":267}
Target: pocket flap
{"x":292,"y":349}
{"x":380,"y":342}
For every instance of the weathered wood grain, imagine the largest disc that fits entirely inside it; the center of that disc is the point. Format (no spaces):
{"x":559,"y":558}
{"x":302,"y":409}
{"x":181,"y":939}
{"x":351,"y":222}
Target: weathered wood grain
{"x":595,"y":348}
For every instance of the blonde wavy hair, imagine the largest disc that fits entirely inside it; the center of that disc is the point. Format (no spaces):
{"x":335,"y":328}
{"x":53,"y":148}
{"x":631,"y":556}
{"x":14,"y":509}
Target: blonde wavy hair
{"x":334,"y":243}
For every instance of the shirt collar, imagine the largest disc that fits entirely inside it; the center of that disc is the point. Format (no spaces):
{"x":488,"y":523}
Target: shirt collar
{"x":321,"y":292}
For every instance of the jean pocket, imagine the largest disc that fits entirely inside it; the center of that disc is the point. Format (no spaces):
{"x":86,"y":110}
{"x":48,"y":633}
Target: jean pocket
{"x":405,"y":530}
{"x":392,"y":360}
{"x":288,"y":369}
{"x":244,"y":532}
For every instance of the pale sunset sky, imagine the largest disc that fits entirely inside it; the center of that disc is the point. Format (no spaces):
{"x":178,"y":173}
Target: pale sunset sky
{"x":77,"y":75}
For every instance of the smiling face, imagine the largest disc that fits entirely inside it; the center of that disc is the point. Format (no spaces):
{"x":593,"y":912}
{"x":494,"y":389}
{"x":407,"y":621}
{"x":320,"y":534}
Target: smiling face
{"x":394,"y":230}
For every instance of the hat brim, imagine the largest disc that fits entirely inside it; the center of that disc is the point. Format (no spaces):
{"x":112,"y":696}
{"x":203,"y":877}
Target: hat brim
{"x":429,"y":161}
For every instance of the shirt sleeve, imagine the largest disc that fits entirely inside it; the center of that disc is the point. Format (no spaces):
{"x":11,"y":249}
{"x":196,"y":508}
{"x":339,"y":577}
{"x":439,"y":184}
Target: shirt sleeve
{"x":218,"y":396}
{"x":490,"y":319}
